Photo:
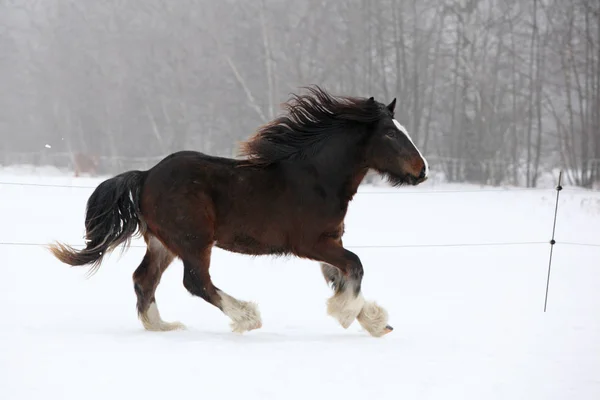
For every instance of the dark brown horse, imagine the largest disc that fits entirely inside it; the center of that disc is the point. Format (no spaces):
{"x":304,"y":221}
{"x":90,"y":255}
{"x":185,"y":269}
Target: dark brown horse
{"x":287,"y":196}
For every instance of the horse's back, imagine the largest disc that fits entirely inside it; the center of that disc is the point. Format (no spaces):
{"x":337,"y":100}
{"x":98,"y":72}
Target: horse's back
{"x":188,"y":192}
{"x":191,"y":157}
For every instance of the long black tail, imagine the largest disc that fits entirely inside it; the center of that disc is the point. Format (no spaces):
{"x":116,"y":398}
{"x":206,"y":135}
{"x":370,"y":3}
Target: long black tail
{"x":112,"y":218}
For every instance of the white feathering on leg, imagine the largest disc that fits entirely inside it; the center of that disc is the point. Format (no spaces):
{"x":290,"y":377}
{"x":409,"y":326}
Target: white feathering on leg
{"x":374,"y":319}
{"x":153,"y":322}
{"x":345,"y":306}
{"x":244,"y":315}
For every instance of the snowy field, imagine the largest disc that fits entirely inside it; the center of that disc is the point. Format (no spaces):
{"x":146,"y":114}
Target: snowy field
{"x":469,"y":321}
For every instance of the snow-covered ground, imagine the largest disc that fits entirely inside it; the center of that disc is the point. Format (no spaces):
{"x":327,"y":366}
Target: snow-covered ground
{"x":469,"y":321}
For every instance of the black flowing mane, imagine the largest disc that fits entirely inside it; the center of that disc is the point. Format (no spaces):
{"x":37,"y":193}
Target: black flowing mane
{"x":310,"y":120}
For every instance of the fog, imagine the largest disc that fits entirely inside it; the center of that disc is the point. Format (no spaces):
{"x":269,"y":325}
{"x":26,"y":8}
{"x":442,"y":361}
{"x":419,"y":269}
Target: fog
{"x":493,"y":92}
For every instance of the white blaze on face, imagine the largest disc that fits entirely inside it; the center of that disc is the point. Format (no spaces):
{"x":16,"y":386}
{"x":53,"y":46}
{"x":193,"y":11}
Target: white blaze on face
{"x":405,"y":132}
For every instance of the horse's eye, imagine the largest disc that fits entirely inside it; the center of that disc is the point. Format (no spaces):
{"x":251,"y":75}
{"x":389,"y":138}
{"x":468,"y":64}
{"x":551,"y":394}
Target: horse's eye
{"x":391,"y":134}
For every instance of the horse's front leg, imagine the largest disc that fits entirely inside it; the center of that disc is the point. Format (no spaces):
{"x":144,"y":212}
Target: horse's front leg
{"x":344,"y":270}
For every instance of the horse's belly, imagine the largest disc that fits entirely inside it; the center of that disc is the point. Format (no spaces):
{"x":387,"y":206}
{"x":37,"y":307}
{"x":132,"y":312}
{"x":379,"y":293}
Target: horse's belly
{"x":245,"y":244}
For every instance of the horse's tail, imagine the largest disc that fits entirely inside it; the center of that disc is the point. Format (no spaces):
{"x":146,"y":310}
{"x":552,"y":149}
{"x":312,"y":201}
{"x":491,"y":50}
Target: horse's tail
{"x":112,"y":218}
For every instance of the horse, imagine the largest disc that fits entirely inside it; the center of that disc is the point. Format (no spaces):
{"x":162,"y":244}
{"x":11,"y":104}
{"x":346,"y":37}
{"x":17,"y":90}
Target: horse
{"x":287,"y":193}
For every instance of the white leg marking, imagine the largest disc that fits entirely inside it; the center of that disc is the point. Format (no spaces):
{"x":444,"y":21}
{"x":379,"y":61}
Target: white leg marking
{"x":374,"y":319}
{"x":345,"y":306}
{"x":244,"y":315}
{"x":153,"y":322}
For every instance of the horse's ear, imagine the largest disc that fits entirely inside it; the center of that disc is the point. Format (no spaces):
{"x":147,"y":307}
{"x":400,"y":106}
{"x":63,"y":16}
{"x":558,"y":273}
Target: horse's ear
{"x":371,"y":99}
{"x":392,"y":106}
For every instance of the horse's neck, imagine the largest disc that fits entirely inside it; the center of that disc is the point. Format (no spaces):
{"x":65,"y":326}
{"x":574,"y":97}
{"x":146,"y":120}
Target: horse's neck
{"x":342,"y":169}
{"x":355,"y":181}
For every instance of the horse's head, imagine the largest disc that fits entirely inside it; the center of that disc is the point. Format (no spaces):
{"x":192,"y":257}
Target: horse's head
{"x":320,"y":126}
{"x":391,"y":151}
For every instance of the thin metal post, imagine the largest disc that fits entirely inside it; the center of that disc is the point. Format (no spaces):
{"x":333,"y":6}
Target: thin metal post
{"x":552,"y":241}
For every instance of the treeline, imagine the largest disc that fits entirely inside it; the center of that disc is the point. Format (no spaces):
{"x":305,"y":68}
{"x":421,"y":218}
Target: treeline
{"x":493,"y":91}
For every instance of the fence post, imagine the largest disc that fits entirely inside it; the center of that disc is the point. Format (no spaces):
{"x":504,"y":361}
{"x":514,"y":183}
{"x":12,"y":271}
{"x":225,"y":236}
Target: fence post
{"x":552,"y":241}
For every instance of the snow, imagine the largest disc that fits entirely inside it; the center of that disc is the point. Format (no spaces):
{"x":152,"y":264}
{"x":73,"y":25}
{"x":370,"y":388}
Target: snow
{"x":469,"y":321}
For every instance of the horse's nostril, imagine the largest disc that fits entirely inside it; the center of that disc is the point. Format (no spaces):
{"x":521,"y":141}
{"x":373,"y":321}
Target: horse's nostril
{"x":423,"y":171}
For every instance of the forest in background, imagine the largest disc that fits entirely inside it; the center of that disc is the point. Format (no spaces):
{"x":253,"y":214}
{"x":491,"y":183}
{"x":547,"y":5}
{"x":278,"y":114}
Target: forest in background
{"x":492,"y":91}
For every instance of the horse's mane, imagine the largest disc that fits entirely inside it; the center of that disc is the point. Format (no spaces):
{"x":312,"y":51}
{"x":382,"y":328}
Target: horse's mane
{"x":310,"y":119}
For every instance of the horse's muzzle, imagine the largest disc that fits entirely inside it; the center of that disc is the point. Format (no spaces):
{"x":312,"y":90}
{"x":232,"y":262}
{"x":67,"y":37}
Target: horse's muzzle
{"x":415,"y":180}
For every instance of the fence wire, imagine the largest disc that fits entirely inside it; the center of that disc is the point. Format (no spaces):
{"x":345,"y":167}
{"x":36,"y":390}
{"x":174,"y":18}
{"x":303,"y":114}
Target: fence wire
{"x":551,"y":243}
{"x":393,"y":246}
{"x":367,"y":192}
{"x":366,"y":246}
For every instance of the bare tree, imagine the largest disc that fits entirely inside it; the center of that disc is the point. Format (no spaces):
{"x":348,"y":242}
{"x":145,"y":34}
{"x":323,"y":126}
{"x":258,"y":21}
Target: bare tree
{"x":493,"y":92}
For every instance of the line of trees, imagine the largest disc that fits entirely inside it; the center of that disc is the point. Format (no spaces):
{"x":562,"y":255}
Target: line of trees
{"x":494,"y":91}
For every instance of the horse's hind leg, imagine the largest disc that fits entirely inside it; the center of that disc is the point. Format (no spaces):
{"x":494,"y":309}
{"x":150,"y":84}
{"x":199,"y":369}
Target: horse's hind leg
{"x":145,"y":281}
{"x":196,"y":279}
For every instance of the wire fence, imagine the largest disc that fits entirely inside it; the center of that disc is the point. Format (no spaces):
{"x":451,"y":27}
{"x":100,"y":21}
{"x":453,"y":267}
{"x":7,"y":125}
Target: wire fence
{"x":490,"y":171}
{"x":552,"y":242}
{"x":399,"y":246}
{"x":360,"y":192}
{"x":365,"y":246}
